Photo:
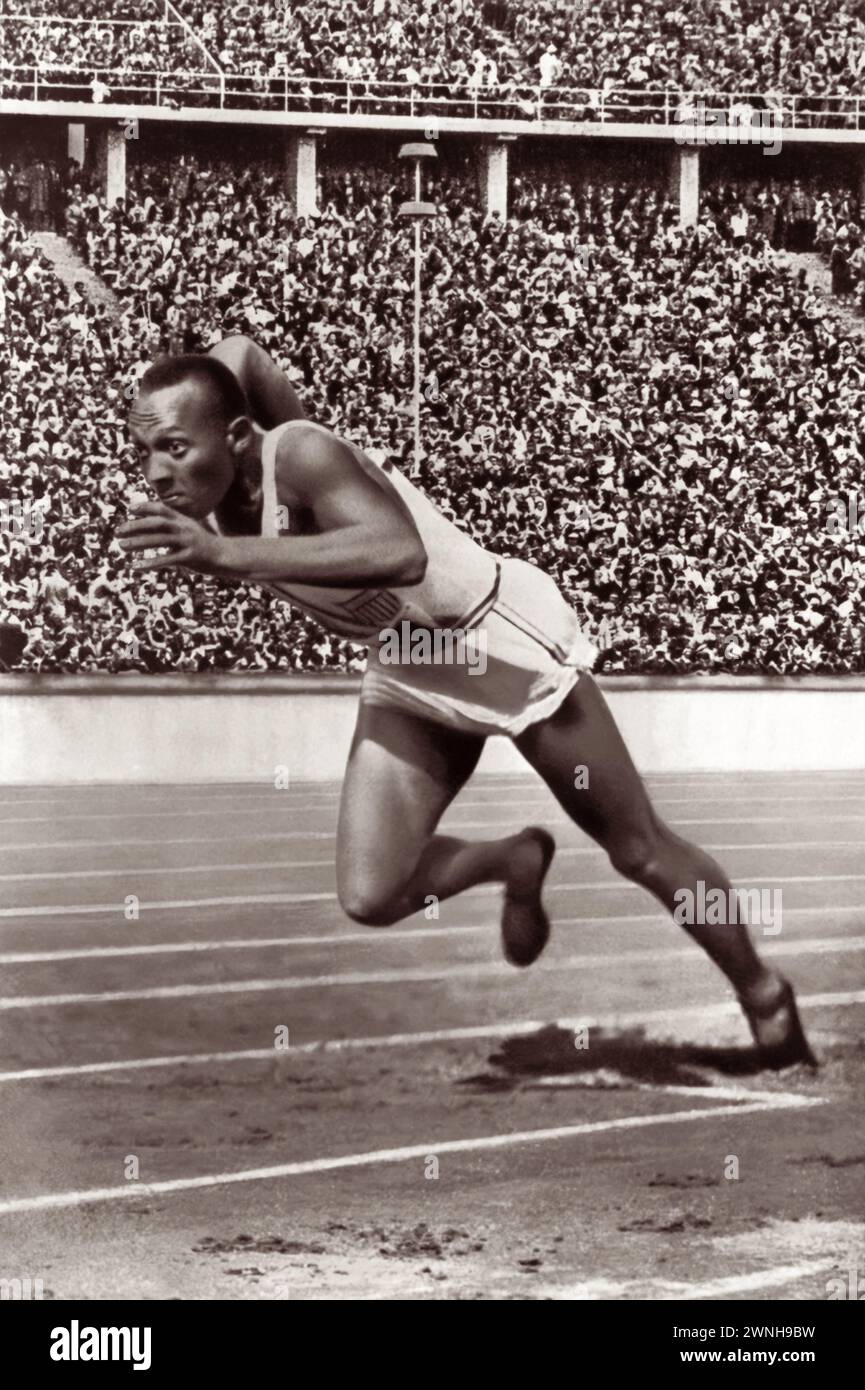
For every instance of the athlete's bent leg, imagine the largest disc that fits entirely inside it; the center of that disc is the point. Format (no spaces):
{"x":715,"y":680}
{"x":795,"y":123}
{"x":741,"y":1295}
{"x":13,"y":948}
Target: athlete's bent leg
{"x":403,"y":772}
{"x":614,"y":808}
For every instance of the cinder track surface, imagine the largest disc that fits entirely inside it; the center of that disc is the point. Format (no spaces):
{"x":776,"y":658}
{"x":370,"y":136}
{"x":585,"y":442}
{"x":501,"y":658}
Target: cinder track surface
{"x":437,"y":1126}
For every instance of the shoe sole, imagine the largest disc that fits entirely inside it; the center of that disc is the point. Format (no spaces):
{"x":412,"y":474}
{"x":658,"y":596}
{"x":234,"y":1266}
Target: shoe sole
{"x":521,"y":956}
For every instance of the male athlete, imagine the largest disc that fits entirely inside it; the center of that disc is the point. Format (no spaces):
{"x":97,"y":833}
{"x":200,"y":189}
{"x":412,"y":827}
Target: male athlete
{"x":223,"y":442}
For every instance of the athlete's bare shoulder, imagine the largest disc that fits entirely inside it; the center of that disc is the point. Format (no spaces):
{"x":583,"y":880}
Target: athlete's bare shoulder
{"x":314,"y":467}
{"x":311,"y":454}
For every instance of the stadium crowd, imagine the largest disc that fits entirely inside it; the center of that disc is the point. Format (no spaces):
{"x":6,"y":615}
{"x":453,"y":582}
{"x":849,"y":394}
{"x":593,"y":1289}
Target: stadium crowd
{"x":104,"y":49}
{"x":808,"y":215}
{"x":664,"y":419}
{"x":508,"y":49}
{"x":64,"y":485}
{"x":36,"y":190}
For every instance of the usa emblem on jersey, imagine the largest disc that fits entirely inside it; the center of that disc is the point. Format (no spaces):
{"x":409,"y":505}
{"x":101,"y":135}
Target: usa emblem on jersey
{"x":375,"y":607}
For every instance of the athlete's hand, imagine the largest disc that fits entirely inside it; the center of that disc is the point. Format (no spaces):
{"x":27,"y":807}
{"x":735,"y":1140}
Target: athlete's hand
{"x":156,"y":527}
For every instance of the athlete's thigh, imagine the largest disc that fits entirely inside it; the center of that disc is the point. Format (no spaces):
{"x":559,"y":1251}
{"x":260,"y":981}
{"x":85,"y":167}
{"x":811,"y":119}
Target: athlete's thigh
{"x":585,"y":762}
{"x":402,"y":774}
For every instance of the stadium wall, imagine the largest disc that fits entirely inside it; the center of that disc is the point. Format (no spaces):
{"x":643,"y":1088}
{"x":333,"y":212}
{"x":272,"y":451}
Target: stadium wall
{"x":174,"y":729}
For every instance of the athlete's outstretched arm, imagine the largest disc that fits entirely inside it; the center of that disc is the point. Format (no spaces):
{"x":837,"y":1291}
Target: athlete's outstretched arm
{"x":272,"y":398}
{"x":365,"y":533}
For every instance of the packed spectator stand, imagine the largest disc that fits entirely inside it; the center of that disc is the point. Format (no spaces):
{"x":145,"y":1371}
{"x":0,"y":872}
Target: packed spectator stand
{"x":538,"y":58}
{"x":663,"y":418}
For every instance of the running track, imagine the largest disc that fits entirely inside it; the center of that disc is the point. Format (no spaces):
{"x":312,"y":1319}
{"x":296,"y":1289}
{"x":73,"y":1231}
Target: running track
{"x":563,"y":1172}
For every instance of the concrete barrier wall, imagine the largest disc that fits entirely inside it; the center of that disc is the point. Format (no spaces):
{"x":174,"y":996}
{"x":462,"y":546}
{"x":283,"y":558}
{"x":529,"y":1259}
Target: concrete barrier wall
{"x":58,"y":730}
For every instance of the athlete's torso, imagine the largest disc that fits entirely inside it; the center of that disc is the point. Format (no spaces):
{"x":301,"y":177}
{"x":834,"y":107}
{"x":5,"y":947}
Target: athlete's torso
{"x":458,"y":587}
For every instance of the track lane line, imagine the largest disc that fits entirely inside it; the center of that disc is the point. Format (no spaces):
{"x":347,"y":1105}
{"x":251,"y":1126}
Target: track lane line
{"x":161,"y":793}
{"x":286,"y":899}
{"x":561,"y":822}
{"x":54,"y":1200}
{"x":613,"y":919}
{"x":303,"y":808}
{"x":674,"y":1290}
{"x":804,"y":946}
{"x":663,"y":1019}
{"x":563,"y":851}
{"x":347,"y":979}
{"x":321,"y":799}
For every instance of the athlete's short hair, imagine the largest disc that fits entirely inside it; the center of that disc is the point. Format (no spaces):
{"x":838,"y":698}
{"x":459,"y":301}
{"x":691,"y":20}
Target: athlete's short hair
{"x":224,"y":387}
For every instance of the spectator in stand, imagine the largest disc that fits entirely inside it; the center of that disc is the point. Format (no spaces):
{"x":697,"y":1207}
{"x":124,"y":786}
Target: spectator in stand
{"x":839,"y":264}
{"x":550,"y":67}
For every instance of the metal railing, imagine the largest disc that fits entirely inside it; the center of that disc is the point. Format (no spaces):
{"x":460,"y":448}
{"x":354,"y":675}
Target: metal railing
{"x":127,"y":87}
{"x":49,"y":81}
{"x":42,"y":21}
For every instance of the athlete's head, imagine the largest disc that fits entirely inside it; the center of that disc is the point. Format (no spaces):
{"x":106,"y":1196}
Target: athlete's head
{"x":191,"y":428}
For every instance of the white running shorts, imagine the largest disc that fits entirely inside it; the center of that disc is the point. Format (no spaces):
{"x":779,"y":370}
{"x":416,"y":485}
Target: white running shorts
{"x":533,"y":653}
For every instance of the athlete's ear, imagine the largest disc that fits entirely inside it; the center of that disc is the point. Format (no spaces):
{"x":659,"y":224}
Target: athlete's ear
{"x":239,"y":434}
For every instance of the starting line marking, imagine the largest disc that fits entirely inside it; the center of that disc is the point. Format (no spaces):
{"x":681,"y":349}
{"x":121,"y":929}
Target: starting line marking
{"x":663,"y":1018}
{"x":53,"y":1200}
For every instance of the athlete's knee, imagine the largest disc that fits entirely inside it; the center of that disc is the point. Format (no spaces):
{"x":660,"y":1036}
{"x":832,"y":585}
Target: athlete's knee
{"x":367,"y":906}
{"x":637,"y":854}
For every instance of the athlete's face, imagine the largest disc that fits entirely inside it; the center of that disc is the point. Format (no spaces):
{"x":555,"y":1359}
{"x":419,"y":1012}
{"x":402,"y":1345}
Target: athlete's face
{"x":186,"y":451}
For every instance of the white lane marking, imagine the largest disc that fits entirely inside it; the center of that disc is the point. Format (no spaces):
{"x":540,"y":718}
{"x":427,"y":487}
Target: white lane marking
{"x":303,"y":806}
{"x":671,"y":1290}
{"x":51,"y":845}
{"x":821,"y":945}
{"x":132,"y":871}
{"x":398,"y":975}
{"x":600,"y":886}
{"x":304,"y":796}
{"x":562,"y":822}
{"x":52,"y":1200}
{"x":251,"y":791}
{"x":610,"y":920}
{"x":564,"y":851}
{"x":284,"y":899}
{"x":760,"y":1279}
{"x":664,"y":1019}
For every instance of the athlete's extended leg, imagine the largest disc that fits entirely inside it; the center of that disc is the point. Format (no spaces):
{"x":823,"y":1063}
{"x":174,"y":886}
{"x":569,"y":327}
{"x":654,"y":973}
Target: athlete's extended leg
{"x":616,"y":811}
{"x":402,"y":774}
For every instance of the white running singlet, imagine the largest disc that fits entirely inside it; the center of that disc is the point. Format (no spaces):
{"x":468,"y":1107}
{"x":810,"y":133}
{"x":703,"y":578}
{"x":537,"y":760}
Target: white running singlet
{"x":458,"y":588}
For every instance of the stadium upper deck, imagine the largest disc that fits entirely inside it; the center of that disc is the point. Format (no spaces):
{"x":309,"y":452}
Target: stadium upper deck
{"x":550,"y":61}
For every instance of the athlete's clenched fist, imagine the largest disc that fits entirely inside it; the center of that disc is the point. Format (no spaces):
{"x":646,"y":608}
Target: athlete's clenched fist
{"x":156,"y":527}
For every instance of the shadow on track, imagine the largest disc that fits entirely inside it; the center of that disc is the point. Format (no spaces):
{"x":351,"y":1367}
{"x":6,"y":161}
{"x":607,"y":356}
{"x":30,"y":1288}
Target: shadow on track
{"x":609,"y":1059}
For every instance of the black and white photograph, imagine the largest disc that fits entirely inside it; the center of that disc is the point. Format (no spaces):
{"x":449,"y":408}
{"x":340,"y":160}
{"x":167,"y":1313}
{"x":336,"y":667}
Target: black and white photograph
{"x":432,"y":662}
